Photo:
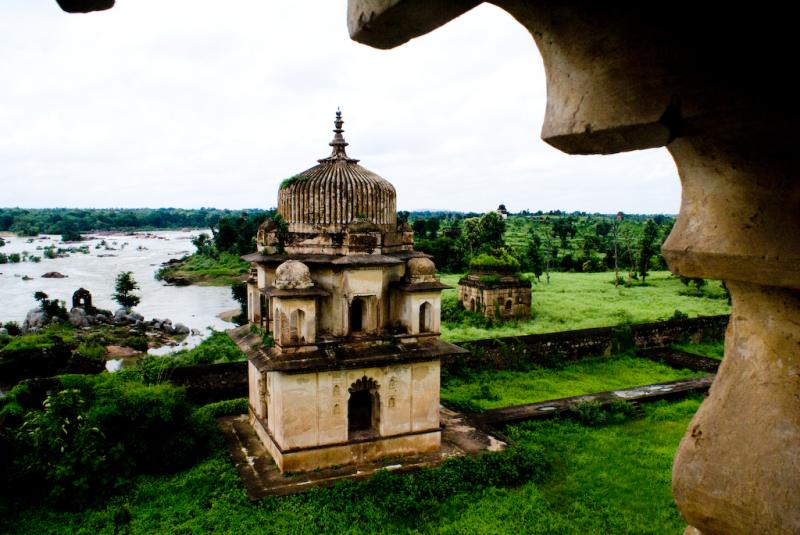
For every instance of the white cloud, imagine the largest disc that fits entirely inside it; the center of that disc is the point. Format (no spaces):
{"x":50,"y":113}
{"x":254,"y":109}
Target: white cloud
{"x":196,"y":103}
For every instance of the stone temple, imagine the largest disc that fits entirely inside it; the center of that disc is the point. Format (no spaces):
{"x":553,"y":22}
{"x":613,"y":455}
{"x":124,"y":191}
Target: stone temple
{"x":354,"y":314}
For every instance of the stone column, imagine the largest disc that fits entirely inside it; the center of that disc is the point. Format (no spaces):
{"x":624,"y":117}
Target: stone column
{"x":711,"y":85}
{"x":737,"y":469}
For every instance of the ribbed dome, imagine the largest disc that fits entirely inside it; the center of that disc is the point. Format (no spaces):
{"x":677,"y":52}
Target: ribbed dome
{"x":338,"y":191}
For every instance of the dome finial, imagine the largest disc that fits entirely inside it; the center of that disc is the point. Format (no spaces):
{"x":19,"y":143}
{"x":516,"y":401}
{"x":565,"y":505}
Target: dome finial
{"x":338,"y":142}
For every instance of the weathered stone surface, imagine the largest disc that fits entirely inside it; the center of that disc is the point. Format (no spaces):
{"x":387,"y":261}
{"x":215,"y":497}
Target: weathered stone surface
{"x":78,"y":318}
{"x":180,"y":328}
{"x":756,"y":430}
{"x":36,"y":318}
{"x":53,"y":275}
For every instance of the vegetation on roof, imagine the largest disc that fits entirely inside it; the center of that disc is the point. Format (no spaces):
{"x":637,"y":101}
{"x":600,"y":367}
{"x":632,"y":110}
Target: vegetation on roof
{"x":286,"y":182}
{"x":501,"y":261}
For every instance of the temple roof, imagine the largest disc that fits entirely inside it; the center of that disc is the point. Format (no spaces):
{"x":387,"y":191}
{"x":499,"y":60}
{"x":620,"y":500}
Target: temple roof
{"x":337,"y":192}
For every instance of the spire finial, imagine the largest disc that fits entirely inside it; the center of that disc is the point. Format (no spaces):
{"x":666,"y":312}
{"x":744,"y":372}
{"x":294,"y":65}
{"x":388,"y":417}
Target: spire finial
{"x":338,"y":142}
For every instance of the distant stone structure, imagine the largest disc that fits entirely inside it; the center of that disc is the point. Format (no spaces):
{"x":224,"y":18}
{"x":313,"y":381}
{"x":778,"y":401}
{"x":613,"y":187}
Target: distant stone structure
{"x":82,"y":298}
{"x":496,"y":295}
{"x":502,"y":212}
{"x":354,"y":314}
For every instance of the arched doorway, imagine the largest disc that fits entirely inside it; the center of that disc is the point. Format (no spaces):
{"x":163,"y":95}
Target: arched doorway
{"x":425,"y":317}
{"x":298,"y":324}
{"x":357,"y":315}
{"x":363,"y":408}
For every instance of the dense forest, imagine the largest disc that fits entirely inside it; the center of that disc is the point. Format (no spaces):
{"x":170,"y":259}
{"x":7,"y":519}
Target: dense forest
{"x":545,"y":241}
{"x":30,"y":222}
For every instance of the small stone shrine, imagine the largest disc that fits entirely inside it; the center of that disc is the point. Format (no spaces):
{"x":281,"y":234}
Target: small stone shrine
{"x":354,"y":314}
{"x":495,"y":293}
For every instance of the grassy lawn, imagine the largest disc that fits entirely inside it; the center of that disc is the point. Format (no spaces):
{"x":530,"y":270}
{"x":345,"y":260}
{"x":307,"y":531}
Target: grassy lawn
{"x":712,"y":350}
{"x":609,"y":479}
{"x":583,"y":300}
{"x":493,"y":389}
{"x":207,"y":271}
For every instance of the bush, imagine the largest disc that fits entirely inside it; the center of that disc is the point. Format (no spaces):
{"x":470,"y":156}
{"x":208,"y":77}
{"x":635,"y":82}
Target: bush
{"x":588,"y":412}
{"x":406,"y":497}
{"x":228,"y":407}
{"x":52,"y":307}
{"x":95,"y":433}
{"x":499,"y":262}
{"x":591,"y":412}
{"x":12,"y":327}
{"x":215,"y":349}
{"x":91,"y":351}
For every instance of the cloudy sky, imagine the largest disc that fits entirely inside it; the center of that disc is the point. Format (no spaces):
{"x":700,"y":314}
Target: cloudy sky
{"x":191,"y":103}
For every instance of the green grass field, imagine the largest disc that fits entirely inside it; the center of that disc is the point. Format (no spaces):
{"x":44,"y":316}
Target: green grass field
{"x":582,"y":300}
{"x":609,"y":479}
{"x":712,"y":350}
{"x":492,"y":389}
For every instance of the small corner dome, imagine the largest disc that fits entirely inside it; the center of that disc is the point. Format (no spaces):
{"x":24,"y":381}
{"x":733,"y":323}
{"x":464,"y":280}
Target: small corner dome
{"x":292,"y":275}
{"x":420,"y":269}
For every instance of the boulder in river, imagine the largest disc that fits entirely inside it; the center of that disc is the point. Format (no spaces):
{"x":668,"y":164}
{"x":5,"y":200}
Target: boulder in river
{"x":78,"y":317}
{"x":35,"y":320}
{"x":54,"y":275}
{"x":180,"y":328}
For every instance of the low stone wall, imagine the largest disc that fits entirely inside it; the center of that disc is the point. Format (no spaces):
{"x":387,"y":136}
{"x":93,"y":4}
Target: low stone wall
{"x":569,"y":346}
{"x":224,"y":381}
{"x":213,"y":382}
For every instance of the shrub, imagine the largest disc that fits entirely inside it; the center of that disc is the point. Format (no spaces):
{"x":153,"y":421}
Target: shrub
{"x":407,"y":496}
{"x":215,"y":349}
{"x":286,"y":182}
{"x":228,"y":407}
{"x":592,"y":413}
{"x":52,"y":307}
{"x":498,"y":262}
{"x":588,"y":412}
{"x":91,"y":351}
{"x":679,"y":315}
{"x":95,"y":433}
{"x":12,"y":327}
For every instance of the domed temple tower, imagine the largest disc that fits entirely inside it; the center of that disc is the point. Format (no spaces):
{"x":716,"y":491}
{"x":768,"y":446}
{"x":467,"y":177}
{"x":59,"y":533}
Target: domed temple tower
{"x":354,"y":314}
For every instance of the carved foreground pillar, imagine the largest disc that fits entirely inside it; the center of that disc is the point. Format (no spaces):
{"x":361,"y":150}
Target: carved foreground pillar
{"x":737,"y":469}
{"x":711,"y":84}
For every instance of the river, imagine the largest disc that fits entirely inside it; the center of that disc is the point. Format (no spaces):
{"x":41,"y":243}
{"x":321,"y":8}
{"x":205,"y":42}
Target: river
{"x":197,"y":307}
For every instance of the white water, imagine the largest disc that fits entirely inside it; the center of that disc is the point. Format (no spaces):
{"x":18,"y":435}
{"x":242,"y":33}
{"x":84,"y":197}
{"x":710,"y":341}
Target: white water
{"x":196,"y":307}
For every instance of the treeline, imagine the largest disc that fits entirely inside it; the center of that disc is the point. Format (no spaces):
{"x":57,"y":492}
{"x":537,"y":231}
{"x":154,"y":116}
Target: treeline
{"x":69,"y":221}
{"x":548,"y":241}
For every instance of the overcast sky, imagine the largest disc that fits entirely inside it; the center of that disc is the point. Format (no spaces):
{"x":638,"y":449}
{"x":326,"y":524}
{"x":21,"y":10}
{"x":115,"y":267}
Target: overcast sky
{"x":192,"y":103}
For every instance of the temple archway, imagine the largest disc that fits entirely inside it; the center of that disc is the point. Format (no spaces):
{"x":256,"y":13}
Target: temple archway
{"x":363,"y":408}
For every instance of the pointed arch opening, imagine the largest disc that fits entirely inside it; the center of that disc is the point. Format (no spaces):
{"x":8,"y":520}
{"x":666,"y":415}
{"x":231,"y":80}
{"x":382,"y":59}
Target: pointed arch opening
{"x":363,"y":409}
{"x":297,"y":331}
{"x":425,"y":317}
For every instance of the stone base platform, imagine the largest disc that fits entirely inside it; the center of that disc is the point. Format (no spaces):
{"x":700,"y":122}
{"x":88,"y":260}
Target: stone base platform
{"x":262,"y":477}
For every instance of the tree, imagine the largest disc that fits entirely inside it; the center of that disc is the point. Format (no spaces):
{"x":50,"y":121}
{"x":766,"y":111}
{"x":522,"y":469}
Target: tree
{"x":533,"y":257}
{"x":470,"y":235}
{"x":564,"y":229}
{"x":491,"y":227}
{"x":647,"y":247}
{"x":51,"y":307}
{"x":204,"y":244}
{"x":124,"y":286}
